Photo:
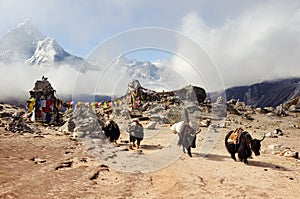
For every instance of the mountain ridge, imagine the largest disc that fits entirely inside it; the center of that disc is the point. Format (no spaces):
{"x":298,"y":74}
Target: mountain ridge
{"x":267,"y":93}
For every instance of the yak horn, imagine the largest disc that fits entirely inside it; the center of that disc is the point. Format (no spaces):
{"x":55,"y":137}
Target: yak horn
{"x":263,"y":137}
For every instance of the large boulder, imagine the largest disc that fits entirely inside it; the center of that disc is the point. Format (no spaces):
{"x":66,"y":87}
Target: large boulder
{"x":192,"y":93}
{"x":84,"y":122}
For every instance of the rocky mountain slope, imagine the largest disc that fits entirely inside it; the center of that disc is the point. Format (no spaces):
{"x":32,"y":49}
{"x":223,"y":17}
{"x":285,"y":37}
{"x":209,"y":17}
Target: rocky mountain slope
{"x":268,"y":93}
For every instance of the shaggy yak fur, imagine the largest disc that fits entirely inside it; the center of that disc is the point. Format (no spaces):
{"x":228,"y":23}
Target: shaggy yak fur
{"x":244,"y":146}
{"x":112,"y":131}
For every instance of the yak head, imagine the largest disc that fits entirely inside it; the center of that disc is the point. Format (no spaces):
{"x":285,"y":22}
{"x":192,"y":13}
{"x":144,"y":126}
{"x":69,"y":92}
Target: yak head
{"x":255,"y":145}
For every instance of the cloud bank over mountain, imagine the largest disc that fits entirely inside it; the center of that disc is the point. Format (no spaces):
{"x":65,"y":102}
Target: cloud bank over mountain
{"x":260,"y":44}
{"x":27,"y":55}
{"x":17,"y":79}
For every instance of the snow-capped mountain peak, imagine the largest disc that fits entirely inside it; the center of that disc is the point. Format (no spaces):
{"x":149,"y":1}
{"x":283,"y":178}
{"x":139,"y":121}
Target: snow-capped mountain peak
{"x":141,"y":70}
{"x":18,"y":44}
{"x":47,"y":52}
{"x":25,"y":44}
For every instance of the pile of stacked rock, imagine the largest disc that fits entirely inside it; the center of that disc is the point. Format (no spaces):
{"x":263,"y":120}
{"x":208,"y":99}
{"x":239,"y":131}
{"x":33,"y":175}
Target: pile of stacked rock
{"x":43,"y":106}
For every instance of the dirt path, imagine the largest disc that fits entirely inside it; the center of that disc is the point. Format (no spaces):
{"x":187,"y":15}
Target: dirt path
{"x":53,"y":166}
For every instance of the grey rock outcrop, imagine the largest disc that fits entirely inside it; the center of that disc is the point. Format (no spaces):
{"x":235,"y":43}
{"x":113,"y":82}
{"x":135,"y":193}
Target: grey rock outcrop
{"x":84,"y":122}
{"x":192,"y":93}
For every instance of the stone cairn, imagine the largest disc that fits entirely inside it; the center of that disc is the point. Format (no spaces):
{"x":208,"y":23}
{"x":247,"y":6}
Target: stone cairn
{"x":43,"y":106}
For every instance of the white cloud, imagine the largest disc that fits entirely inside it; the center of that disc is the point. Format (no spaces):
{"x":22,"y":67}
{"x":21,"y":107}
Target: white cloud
{"x":261,"y":43}
{"x":17,"y":79}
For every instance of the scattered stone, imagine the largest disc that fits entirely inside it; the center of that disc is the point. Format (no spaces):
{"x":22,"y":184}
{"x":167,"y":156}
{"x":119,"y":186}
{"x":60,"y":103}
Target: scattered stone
{"x":276,"y":152}
{"x":38,"y":136}
{"x":270,"y":135}
{"x":151,"y":125}
{"x":269,"y":109}
{"x":213,"y":128}
{"x":278,"y":132}
{"x":281,"y":110}
{"x":289,"y":153}
{"x":16,"y":124}
{"x":259,"y":110}
{"x":139,"y":152}
{"x":275,"y":133}
{"x":294,"y":108}
{"x":95,"y":176}
{"x":232,"y":110}
{"x":38,"y":160}
{"x":274,"y":146}
{"x":64,"y":165}
{"x":248,"y":117}
{"x":293,"y":105}
{"x":232,"y":102}
{"x":241,"y":106}
{"x":262,"y":110}
{"x":205,"y":123}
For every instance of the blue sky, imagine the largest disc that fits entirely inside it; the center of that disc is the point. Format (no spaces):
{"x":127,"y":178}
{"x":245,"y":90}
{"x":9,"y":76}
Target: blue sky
{"x":79,"y":26}
{"x":249,"y":41}
{"x":151,"y":55}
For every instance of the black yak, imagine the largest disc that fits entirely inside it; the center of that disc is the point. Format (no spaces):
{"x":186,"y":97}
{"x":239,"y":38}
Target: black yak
{"x":111,"y":131}
{"x":244,"y":145}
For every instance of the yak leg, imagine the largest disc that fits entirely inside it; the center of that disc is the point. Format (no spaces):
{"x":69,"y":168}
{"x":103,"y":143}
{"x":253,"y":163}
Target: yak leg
{"x":193,"y":145}
{"x":138,"y":143}
{"x":189,"y":151}
{"x":233,"y":156}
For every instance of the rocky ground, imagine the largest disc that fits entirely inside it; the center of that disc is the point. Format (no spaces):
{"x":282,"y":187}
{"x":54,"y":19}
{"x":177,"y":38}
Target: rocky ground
{"x":46,"y":163}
